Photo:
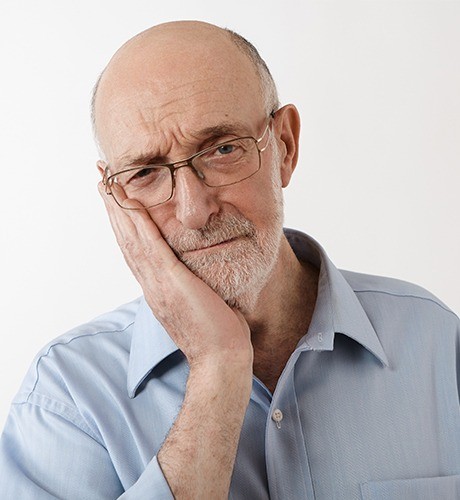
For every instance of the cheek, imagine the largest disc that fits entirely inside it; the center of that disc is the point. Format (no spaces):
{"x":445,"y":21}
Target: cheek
{"x":165,"y":219}
{"x":259,"y":201}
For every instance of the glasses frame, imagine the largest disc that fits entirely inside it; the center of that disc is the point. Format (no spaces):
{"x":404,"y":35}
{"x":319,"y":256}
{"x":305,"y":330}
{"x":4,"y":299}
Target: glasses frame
{"x":108,"y":179}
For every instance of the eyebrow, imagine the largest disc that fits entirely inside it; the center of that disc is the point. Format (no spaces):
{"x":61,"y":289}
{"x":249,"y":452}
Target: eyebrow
{"x":207,"y":134}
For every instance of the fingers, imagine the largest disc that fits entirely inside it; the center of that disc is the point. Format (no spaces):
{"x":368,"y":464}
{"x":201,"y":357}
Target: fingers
{"x":139,"y":238}
{"x":122,"y":226}
{"x":198,"y":320}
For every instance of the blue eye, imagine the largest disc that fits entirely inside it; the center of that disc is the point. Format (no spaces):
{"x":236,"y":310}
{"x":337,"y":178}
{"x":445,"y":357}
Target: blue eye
{"x":226,"y":149}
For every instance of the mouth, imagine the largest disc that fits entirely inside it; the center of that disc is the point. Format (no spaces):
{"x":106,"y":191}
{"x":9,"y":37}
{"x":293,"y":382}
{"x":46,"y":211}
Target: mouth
{"x":214,"y":246}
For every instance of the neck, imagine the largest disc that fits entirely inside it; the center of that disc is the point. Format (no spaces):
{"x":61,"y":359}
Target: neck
{"x":282,"y":314}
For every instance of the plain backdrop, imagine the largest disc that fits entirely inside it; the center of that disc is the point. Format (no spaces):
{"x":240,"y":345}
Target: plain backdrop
{"x":378,"y":87}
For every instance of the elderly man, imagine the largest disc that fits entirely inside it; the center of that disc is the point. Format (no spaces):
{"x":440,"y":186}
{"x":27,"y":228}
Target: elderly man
{"x":251,"y":368}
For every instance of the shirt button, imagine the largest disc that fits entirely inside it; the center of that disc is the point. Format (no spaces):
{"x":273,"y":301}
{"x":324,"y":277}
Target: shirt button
{"x":277,"y":416}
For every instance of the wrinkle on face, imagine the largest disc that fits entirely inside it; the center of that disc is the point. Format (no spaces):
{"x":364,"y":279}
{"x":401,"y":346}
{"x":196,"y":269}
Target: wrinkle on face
{"x":158,"y":97}
{"x":157,"y":83}
{"x":175,"y":145}
{"x":198,"y":140}
{"x":167,"y":131}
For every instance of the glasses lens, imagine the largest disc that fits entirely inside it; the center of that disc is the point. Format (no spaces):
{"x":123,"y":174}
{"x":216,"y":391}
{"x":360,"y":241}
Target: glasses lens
{"x":147,"y":185}
{"x":229,"y":162}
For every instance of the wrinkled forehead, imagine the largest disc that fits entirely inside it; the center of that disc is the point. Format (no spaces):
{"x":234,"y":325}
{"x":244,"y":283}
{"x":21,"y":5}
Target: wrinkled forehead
{"x":179,"y":86}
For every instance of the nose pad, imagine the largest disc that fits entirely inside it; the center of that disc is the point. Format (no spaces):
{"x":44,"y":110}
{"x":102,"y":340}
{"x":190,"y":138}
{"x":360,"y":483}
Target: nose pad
{"x":199,"y":174}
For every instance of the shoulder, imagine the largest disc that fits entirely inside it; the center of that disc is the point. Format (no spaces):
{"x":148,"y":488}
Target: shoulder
{"x":396,"y":293}
{"x":71,"y":361}
{"x":112,"y":328}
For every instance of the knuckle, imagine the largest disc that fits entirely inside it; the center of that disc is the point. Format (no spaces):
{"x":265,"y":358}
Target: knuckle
{"x":128,"y":247}
{"x":124,"y":245}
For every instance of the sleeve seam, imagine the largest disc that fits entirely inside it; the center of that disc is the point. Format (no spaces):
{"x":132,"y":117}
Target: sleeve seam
{"x":68,"y":413}
{"x":37,"y":365}
{"x":408,"y":295}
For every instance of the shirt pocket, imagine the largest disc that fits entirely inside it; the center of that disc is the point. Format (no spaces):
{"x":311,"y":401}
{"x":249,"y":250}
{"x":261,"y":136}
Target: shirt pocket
{"x":427,"y":488}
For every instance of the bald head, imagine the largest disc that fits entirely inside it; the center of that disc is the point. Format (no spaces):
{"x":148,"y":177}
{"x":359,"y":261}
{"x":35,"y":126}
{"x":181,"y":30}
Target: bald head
{"x":165,"y":47}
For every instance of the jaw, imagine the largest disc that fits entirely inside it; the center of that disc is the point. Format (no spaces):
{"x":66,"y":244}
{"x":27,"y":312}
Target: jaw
{"x":237,"y":273}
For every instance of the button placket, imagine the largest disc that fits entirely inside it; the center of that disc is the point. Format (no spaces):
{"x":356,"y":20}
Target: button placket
{"x":288,"y":444}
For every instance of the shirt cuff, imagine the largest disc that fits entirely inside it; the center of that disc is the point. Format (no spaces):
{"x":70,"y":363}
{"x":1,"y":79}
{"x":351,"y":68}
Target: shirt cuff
{"x":151,"y":484}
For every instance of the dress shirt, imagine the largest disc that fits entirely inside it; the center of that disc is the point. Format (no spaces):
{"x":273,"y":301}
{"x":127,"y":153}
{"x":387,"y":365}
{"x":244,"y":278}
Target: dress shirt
{"x":367,"y":406}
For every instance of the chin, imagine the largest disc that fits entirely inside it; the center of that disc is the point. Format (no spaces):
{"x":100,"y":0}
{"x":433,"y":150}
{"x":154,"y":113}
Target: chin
{"x":239,"y":273}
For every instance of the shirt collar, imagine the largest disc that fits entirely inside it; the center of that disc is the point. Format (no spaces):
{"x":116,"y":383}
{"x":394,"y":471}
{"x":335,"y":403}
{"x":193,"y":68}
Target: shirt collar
{"x":337,"y":310}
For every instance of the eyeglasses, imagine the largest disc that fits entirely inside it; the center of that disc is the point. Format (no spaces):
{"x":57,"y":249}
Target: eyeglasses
{"x":224,"y":164}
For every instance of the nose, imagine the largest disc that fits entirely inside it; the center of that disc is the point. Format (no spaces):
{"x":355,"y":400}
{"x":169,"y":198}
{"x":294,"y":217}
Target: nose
{"x":194,"y":201}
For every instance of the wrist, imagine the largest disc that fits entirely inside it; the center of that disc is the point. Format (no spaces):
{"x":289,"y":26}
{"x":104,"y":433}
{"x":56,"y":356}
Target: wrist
{"x":220,"y":374}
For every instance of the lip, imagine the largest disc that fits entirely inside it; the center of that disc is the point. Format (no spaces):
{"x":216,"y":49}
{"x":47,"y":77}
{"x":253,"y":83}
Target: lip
{"x":219,"y":245}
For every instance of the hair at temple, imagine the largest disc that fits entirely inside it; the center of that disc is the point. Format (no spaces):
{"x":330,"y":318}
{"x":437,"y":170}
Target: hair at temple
{"x":266,"y":80}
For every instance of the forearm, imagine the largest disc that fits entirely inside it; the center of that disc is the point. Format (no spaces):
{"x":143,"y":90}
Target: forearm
{"x":198,"y":455}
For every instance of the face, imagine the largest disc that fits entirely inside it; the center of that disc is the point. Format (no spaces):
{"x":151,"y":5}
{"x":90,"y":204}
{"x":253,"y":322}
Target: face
{"x":229,"y":236}
{"x":236,"y":250}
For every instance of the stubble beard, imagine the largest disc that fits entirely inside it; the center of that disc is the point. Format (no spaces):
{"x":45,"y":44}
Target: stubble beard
{"x":239,"y":271}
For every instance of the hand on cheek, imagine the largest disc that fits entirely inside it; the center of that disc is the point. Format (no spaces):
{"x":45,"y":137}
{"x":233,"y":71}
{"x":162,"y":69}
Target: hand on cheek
{"x":198,"y":320}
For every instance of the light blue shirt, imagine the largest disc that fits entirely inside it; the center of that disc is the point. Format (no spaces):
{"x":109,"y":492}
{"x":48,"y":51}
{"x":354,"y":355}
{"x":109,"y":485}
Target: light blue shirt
{"x":367,"y":406}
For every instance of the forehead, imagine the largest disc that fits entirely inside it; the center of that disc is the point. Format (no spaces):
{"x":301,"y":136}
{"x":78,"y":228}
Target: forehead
{"x":172,"y":96}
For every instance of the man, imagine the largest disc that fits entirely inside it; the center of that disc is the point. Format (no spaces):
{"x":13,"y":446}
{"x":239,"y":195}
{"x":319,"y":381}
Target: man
{"x":251,"y":368}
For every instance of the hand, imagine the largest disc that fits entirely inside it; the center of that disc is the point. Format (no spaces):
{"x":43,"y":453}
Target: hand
{"x":198,"y":455}
{"x":197,"y":319}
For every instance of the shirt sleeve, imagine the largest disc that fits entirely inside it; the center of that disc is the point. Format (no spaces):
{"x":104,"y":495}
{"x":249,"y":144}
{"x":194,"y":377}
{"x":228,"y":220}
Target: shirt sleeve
{"x":46,"y":454}
{"x":152,"y":479}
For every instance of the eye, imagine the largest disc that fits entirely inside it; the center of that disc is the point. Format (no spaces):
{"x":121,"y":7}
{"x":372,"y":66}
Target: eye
{"x":142,"y":176}
{"x":226,"y":149}
{"x":142,"y":173}
{"x":224,"y":154}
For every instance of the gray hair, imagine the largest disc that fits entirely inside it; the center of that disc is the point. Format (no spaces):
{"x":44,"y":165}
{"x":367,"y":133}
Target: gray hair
{"x":267,"y":84}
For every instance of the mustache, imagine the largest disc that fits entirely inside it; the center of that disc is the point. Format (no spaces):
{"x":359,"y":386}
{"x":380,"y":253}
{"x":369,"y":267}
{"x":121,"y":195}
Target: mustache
{"x":219,"y":228}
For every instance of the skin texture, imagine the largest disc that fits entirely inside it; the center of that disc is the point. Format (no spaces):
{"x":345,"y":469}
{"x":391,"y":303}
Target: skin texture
{"x":158,"y":97}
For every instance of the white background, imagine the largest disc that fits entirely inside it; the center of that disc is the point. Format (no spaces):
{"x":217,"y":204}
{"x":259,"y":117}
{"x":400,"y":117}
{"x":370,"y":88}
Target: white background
{"x":378,"y":87}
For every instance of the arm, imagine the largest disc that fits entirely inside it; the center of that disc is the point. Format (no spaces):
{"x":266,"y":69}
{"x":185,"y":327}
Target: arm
{"x":198,"y":455}
{"x":46,"y":455}
{"x":47,"y":449}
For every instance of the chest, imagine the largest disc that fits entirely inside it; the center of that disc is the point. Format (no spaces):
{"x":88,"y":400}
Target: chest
{"x":336,"y":420}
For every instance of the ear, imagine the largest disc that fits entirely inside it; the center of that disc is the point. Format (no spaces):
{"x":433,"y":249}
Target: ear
{"x":287,"y":131}
{"x":101,"y":166}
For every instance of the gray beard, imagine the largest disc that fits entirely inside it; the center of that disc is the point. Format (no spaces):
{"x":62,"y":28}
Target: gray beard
{"x":239,"y":272}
